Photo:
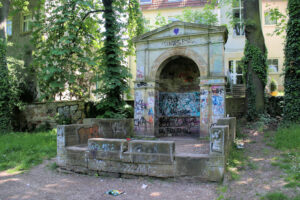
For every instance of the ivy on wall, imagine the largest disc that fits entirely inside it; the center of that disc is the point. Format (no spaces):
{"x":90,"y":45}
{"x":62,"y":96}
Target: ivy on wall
{"x":253,"y":55}
{"x":292,"y":64}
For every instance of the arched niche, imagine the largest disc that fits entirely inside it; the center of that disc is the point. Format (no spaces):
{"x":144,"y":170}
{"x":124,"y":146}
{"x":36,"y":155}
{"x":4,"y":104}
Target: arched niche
{"x":178,"y":102}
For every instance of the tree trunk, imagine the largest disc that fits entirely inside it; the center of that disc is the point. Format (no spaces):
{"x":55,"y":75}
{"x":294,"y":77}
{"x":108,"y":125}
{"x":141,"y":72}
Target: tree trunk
{"x":255,"y":37}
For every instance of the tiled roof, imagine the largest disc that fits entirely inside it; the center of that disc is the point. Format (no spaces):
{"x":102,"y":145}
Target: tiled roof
{"x":161,"y":4}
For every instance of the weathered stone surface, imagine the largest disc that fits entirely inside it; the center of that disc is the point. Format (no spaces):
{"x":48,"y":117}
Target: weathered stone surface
{"x":218,"y":139}
{"x":142,"y":157}
{"x":143,"y":151}
{"x":203,"y":166}
{"x":231,"y":122}
{"x":76,"y":159}
{"x":112,"y":128}
{"x":37,"y":114}
{"x":189,"y":43}
{"x":191,"y":164}
{"x":106,"y":149}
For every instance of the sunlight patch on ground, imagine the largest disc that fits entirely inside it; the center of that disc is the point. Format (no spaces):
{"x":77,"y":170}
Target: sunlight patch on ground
{"x":247,"y":181}
{"x":155,"y":194}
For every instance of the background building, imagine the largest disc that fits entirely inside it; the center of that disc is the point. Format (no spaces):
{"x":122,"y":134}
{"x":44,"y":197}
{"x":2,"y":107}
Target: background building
{"x":234,"y":47}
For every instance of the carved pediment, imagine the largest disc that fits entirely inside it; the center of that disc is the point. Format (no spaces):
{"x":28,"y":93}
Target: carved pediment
{"x":178,"y":28}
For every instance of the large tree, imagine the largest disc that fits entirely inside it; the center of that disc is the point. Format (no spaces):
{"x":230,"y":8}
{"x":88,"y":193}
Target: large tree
{"x":84,"y":36}
{"x":255,"y":55}
{"x":292,"y":64}
{"x":5,"y":117}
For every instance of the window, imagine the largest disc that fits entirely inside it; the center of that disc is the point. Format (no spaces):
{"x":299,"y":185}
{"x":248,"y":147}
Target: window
{"x":26,"y":23}
{"x":238,"y":18}
{"x":9,"y":27}
{"x":269,"y":20}
{"x":145,"y":1}
{"x":272,"y":65}
{"x":236,"y":71}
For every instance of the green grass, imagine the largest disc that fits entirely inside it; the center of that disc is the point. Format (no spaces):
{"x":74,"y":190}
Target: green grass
{"x":21,"y":151}
{"x":287,"y":139}
{"x":278,"y":196}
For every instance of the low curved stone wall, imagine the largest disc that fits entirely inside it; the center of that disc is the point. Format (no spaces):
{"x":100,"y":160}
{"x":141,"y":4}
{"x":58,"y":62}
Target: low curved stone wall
{"x":141,"y":157}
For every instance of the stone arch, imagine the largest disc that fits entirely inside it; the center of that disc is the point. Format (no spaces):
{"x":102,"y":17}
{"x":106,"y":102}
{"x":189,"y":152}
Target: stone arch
{"x":157,"y":65}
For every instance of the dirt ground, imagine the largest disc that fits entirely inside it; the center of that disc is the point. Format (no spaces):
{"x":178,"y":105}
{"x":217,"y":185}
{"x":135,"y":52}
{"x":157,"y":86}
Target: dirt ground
{"x":41,"y":182}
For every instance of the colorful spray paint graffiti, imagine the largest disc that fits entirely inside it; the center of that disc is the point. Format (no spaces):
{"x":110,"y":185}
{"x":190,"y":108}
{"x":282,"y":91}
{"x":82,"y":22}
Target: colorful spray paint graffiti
{"x":218,"y":103}
{"x":144,"y":112}
{"x":178,"y":126}
{"x":179,"y":113}
{"x":140,"y":72}
{"x":204,"y":106}
{"x":179,"y":104}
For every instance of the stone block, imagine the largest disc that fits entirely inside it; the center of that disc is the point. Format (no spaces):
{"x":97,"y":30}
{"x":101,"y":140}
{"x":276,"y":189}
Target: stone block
{"x":143,"y":151}
{"x":112,"y":128}
{"x":106,"y":149}
{"x":231,"y":122}
{"x":191,"y":164}
{"x":76,"y":159}
{"x":218,"y":139}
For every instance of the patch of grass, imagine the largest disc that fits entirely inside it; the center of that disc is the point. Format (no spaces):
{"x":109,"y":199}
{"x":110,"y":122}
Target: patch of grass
{"x":221,"y":190}
{"x":275,"y":196}
{"x":278,"y":196}
{"x":236,"y":162}
{"x":252,"y":165}
{"x":53,"y":166}
{"x":21,"y":151}
{"x":287,"y":139}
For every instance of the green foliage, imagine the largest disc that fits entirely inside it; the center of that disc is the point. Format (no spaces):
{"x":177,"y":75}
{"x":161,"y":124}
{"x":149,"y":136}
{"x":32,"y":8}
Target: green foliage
{"x":273,"y":86}
{"x":205,"y":16}
{"x":275,"y":196}
{"x":287,"y":138}
{"x":256,"y":59}
{"x":115,"y":74}
{"x":62,"y":119}
{"x":24,"y":150}
{"x":292,"y":64}
{"x":65,"y":45}
{"x":280,"y":18}
{"x":5,"y":95}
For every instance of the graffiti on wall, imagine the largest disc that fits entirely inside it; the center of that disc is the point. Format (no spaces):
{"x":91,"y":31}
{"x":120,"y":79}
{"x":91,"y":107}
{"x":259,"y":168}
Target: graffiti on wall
{"x":179,"y":104}
{"x":204,"y":106}
{"x":144,"y":111}
{"x":218,"y":103}
{"x":177,"y":126}
{"x":86,"y":133}
{"x":216,"y":138}
{"x":140,"y":72}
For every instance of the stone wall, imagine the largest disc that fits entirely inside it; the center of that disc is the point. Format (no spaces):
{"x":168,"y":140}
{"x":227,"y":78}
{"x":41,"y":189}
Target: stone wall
{"x":40,"y":114}
{"x":90,"y":154}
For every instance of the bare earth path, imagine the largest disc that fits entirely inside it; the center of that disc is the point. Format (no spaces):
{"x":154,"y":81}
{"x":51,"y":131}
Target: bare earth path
{"x":260,"y":178}
{"x":43,"y":183}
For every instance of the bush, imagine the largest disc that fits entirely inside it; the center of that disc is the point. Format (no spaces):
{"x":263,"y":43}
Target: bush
{"x":273,"y":86}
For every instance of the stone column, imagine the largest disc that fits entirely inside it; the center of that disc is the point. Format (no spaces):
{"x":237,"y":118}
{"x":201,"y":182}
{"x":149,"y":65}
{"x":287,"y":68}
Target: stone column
{"x":212,"y":103}
{"x":144,"y":108}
